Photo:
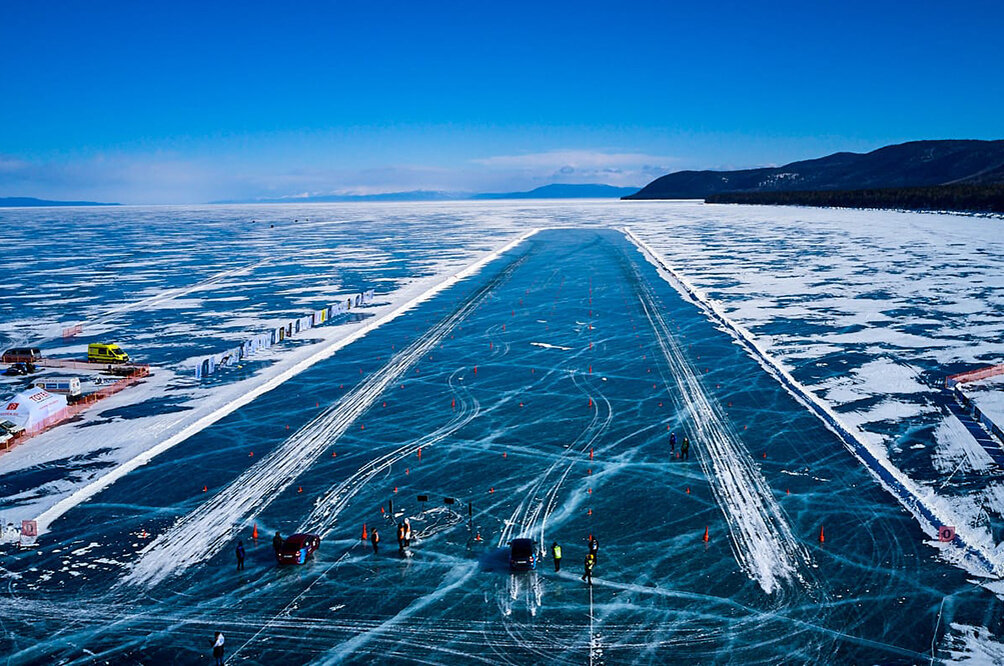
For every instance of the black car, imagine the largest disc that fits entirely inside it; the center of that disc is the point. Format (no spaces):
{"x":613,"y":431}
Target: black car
{"x":20,"y":369}
{"x":521,"y":555}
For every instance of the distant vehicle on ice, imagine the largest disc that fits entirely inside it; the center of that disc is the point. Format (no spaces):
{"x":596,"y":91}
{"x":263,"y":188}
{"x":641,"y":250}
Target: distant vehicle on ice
{"x":68,"y":386}
{"x":521,"y":555}
{"x":296,"y":548}
{"x":98,"y":352}
{"x":22,"y":355}
{"x":20,"y":368}
{"x":11,"y":428}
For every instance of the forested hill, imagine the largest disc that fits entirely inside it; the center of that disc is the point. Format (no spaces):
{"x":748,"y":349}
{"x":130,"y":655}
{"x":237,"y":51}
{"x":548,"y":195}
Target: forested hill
{"x":965,"y":198}
{"x":906,"y":165}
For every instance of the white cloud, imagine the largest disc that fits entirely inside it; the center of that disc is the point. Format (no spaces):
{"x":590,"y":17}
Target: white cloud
{"x":578,"y":166}
{"x":168,"y":177}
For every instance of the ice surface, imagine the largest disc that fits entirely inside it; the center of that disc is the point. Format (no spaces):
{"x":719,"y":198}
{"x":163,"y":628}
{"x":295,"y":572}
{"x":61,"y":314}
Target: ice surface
{"x":867,"y":310}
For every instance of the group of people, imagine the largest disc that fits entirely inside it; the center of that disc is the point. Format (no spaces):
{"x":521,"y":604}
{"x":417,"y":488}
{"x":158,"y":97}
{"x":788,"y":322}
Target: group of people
{"x":591,"y":554}
{"x":684,"y":446}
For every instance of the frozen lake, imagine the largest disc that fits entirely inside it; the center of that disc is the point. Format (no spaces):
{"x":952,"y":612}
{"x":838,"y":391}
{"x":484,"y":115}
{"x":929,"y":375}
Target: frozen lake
{"x":539,"y":390}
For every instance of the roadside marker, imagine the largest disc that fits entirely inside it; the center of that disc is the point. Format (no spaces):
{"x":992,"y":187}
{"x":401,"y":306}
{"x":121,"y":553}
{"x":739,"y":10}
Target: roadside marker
{"x":705,"y":534}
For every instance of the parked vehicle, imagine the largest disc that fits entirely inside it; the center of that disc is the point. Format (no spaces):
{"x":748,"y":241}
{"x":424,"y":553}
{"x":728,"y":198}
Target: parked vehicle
{"x":22,"y":355}
{"x":11,"y":428}
{"x":521,"y":555}
{"x":68,"y":386}
{"x":297,"y":548}
{"x":17,"y":369}
{"x":5,"y":438}
{"x":99,"y":352}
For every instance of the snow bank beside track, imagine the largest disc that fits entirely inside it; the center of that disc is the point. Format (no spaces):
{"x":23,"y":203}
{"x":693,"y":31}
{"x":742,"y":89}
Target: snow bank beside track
{"x":975,"y":550}
{"x":246,"y":394}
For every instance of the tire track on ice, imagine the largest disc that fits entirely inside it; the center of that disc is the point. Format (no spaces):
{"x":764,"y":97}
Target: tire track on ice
{"x":203,"y":532}
{"x":762,"y":540}
{"x":327,"y":508}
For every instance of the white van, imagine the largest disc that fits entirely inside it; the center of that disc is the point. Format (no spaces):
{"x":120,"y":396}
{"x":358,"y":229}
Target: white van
{"x":68,"y":386}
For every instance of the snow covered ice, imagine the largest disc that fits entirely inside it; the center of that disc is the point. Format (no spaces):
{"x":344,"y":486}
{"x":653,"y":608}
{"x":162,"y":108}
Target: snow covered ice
{"x":534,"y":376}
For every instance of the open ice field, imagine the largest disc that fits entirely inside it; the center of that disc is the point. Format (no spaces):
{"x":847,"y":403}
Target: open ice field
{"x":536,"y":376}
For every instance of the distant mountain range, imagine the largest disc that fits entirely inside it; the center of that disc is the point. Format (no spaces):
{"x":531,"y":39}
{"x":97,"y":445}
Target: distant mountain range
{"x":413,"y":195}
{"x":17,"y":202}
{"x":906,"y":165}
{"x":554,"y":191}
{"x":563,"y":191}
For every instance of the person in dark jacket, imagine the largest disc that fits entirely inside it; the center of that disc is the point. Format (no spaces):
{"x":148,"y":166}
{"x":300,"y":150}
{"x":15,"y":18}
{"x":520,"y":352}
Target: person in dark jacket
{"x":218,"y":648}
{"x":685,"y":449}
{"x":277,"y":543}
{"x":240,"y":555}
{"x":672,"y":442}
{"x":400,"y":537}
{"x":375,"y":540}
{"x":594,"y":548}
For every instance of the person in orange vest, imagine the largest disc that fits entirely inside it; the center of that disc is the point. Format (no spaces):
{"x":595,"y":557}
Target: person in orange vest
{"x":375,"y":540}
{"x":400,"y":537}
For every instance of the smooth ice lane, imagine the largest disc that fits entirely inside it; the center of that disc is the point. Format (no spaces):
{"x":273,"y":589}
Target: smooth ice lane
{"x":547,"y":409}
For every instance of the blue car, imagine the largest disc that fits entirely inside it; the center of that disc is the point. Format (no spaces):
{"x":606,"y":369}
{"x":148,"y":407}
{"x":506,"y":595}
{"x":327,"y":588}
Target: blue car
{"x":521,"y":555}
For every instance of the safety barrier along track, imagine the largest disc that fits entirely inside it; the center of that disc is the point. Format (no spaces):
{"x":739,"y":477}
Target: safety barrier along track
{"x":202,"y":533}
{"x":980,"y":557}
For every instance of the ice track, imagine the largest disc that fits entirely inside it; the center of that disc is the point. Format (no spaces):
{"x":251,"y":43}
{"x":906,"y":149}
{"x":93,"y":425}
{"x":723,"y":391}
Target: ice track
{"x":761,"y":537}
{"x":204,"y":532}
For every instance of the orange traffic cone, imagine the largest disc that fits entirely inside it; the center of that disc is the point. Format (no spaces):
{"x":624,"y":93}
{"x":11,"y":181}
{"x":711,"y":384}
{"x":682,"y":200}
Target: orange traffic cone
{"x":822,"y":537}
{"x":205,"y":488}
{"x":254,"y":532}
{"x":705,"y":534}
{"x":365,"y":536}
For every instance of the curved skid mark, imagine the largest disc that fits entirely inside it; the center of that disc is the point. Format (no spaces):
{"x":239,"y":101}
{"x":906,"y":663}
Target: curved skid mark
{"x":202,"y":533}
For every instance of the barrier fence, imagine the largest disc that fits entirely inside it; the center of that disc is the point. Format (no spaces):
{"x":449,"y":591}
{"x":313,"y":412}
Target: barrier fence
{"x":982,"y":418}
{"x":210,"y":364}
{"x":973,"y":375}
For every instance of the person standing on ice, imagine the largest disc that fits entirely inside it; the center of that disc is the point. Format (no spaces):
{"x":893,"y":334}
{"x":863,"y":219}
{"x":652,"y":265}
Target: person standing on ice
{"x":218,"y":648}
{"x":685,"y":449}
{"x":556,"y":554}
{"x":672,"y":442}
{"x":400,"y":537}
{"x":594,"y":548}
{"x":408,"y":535}
{"x":277,"y":543}
{"x":240,"y":555}
{"x":588,"y":573}
{"x":375,"y":540}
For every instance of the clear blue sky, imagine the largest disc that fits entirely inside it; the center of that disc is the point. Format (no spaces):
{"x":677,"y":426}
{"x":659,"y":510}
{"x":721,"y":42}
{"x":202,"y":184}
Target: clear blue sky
{"x":189,"y":102}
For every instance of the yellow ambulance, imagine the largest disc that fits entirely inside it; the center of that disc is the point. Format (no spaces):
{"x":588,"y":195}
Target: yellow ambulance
{"x":106,"y":353}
